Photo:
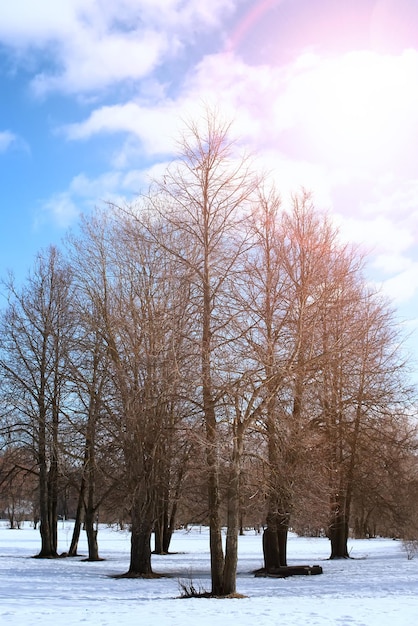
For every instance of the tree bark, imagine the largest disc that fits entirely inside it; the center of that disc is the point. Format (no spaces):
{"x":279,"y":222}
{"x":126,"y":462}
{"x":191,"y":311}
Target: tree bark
{"x":338,"y":529}
{"x":271,"y":543}
{"x":73,"y":551}
{"x":91,"y":507}
{"x":231,"y":550}
{"x":282,"y":533}
{"x":91,"y":532}
{"x":140,"y":563}
{"x":48,"y":523}
{"x":48,"y":547}
{"x":215,"y":530}
{"x":142,"y":523}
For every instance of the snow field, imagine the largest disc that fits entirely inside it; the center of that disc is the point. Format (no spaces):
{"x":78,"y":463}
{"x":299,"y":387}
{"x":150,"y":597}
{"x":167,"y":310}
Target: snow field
{"x":377,"y":587}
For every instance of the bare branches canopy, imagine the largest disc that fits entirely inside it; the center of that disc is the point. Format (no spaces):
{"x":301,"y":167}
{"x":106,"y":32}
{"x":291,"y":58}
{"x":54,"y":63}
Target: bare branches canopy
{"x":208,"y":354}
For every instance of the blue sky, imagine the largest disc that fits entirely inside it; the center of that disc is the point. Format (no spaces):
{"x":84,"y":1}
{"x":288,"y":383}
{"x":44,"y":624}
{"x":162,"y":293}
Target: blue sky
{"x":324,"y":91}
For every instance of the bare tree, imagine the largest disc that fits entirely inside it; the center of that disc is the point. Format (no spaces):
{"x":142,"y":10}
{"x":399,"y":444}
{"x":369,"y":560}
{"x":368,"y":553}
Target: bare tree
{"x":138,"y":302}
{"x":327,"y":346}
{"x":89,"y":368}
{"x":35,"y":334}
{"x":202,"y":199}
{"x":285,"y":269}
{"x":364,"y":398}
{"x":18,"y":484}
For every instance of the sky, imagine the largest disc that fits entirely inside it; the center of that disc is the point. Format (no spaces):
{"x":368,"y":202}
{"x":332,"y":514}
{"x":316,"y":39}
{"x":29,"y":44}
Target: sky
{"x":325,"y":92}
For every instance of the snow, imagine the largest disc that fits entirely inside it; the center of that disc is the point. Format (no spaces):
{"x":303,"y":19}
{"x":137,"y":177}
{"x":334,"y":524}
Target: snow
{"x":378,"y":586}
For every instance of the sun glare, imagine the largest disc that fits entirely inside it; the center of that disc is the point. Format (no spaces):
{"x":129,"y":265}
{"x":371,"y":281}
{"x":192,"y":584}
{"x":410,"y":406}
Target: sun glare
{"x":357,"y":106}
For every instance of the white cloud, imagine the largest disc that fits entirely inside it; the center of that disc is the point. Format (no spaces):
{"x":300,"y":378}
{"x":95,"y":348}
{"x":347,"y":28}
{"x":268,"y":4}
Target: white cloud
{"x":95,"y":189}
{"x":95,"y":63}
{"x":242,"y":93}
{"x":156,"y":127}
{"x":389,"y":241}
{"x":35,"y":24}
{"x":382,"y":235}
{"x":84,"y":193}
{"x":92,"y":44}
{"x":279,"y":114}
{"x":60,"y":209}
{"x":397,"y":196}
{"x":328,"y":124}
{"x":109,"y":186}
{"x":402,"y":287}
{"x":7,"y":139}
{"x":352,"y":114}
{"x":392,"y":263}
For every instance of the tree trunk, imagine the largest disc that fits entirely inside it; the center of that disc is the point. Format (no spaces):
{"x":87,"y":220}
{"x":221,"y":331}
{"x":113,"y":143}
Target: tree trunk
{"x":73,"y":551}
{"x":91,"y":508}
{"x":169,"y":528}
{"x":53,"y":503}
{"x":282,"y":533}
{"x":158,"y":536}
{"x":271,"y":543}
{"x":229,"y":584}
{"x":48,"y":524}
{"x":91,"y":532}
{"x":172,"y":518}
{"x":215,"y":536}
{"x":215,"y":529}
{"x":140,"y":563}
{"x":161,"y":522}
{"x":338,"y":529}
{"x":234,"y":500}
{"x":271,"y":548}
{"x":142,"y":522}
{"x":275,"y":540}
{"x":47,"y":549}
{"x":163,"y":530}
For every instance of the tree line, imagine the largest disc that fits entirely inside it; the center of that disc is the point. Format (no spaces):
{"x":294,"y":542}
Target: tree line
{"x":206,"y":355}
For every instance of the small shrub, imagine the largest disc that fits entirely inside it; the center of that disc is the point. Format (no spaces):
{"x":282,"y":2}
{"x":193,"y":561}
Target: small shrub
{"x":189,"y":590}
{"x":410,"y":547}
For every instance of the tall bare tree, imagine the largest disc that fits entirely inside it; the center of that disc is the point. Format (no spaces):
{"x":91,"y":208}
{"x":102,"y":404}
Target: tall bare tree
{"x":285,"y":270}
{"x":138,"y":302}
{"x":202,"y":198}
{"x":36,"y":331}
{"x":364,"y":395}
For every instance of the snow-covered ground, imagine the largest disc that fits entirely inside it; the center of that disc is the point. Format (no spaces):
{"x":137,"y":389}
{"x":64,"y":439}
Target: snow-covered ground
{"x":377,"y":587}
